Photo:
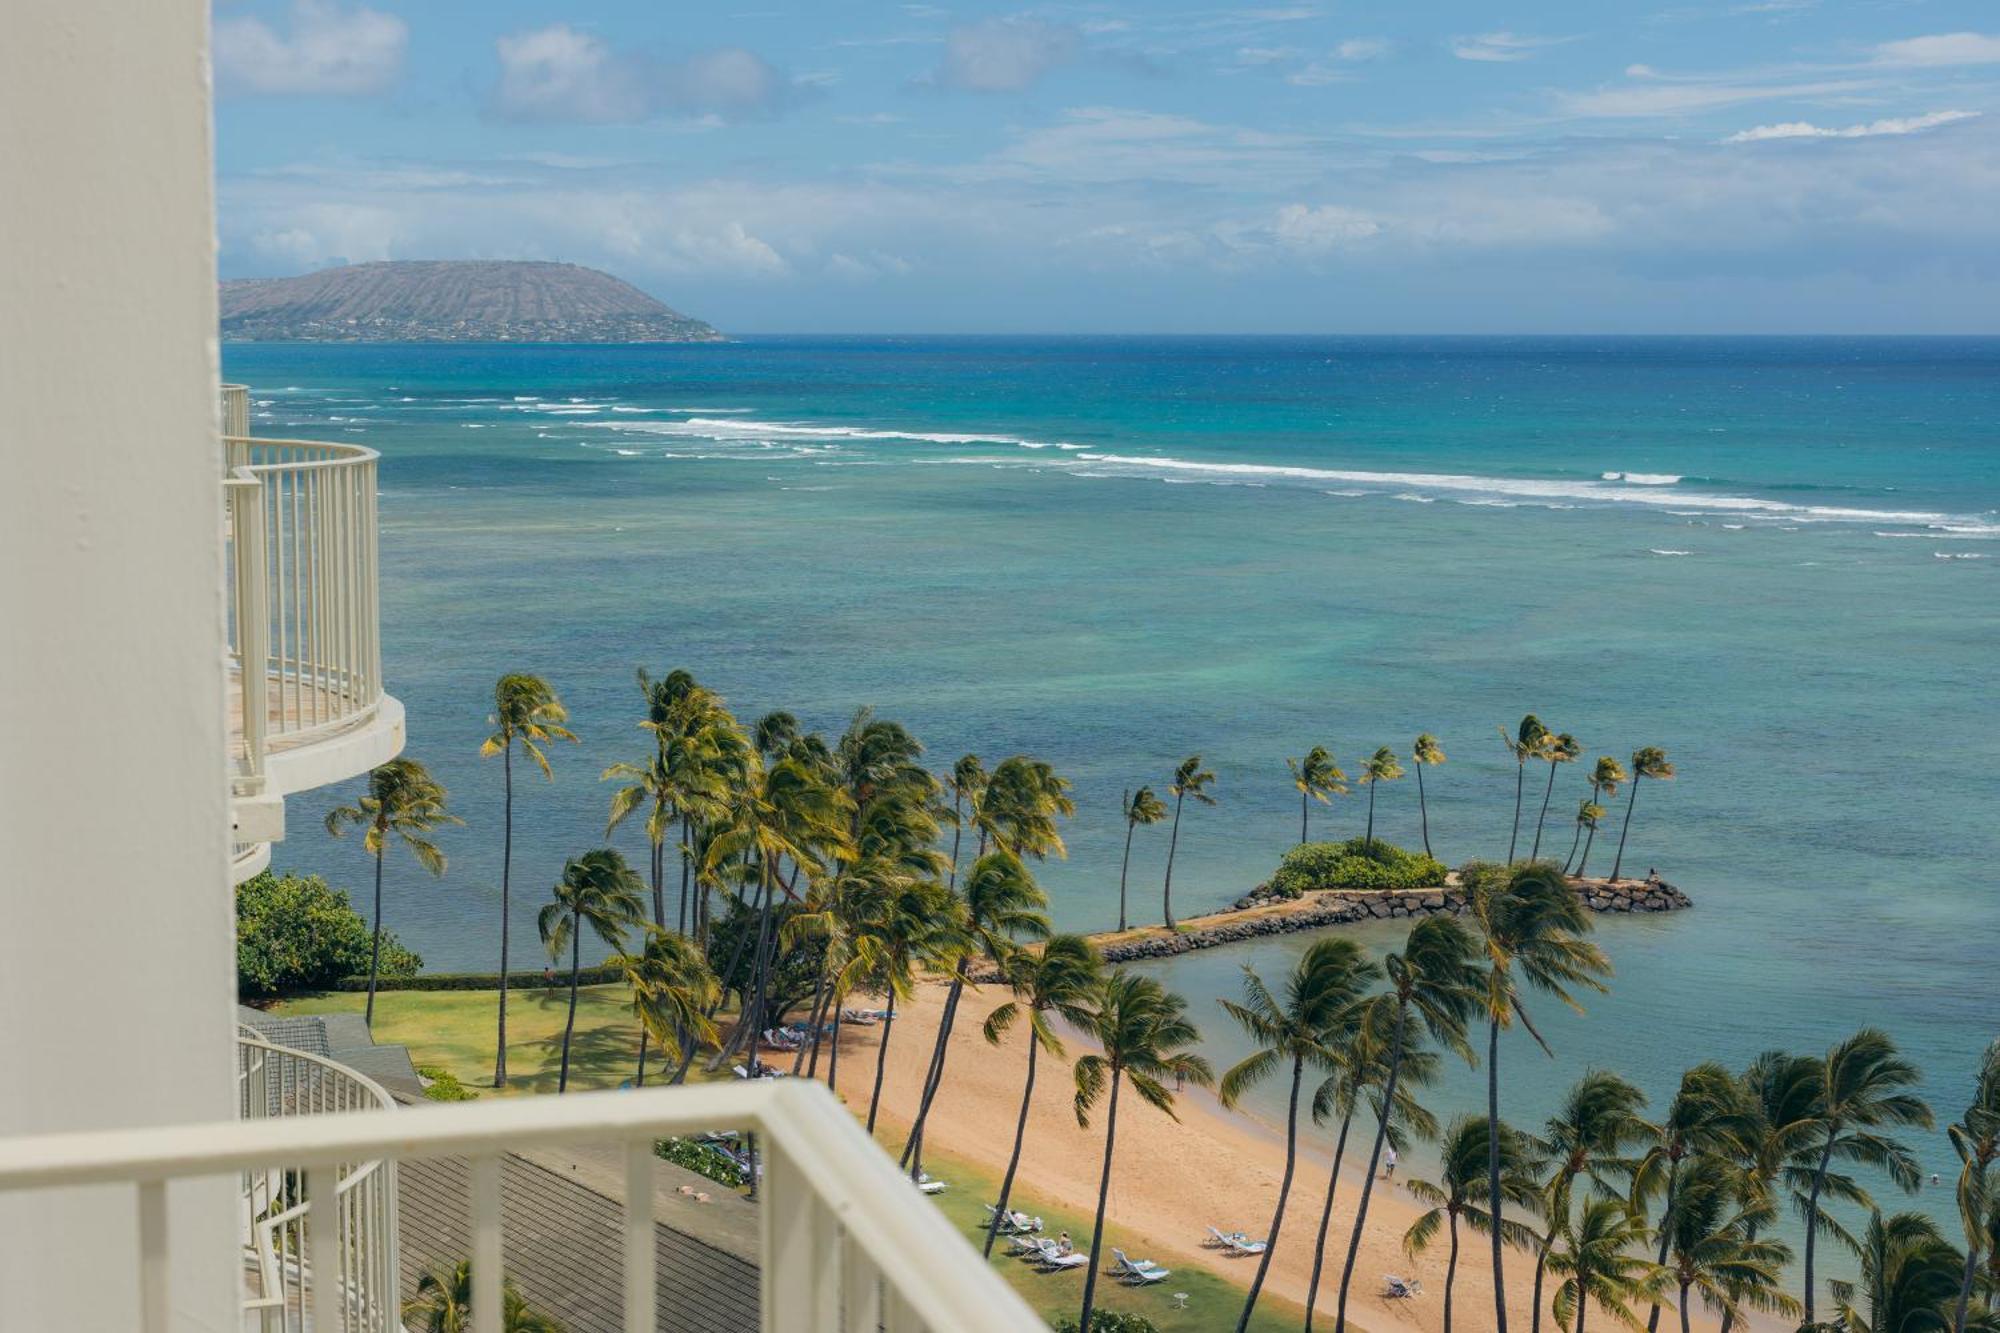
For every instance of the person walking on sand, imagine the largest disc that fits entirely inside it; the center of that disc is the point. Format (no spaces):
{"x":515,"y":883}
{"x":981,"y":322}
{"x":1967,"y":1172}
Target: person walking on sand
{"x":1389,"y":1164}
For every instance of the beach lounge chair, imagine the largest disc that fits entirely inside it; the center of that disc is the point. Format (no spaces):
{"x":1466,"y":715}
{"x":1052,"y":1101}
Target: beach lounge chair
{"x":926,"y":1185}
{"x":1138,"y":1272}
{"x":1023,"y":1245}
{"x":1061,"y":1262}
{"x":1401,"y":1289}
{"x":1221,"y":1240}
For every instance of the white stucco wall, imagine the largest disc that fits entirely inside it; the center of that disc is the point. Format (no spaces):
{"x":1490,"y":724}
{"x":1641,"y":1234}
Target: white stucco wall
{"x":116,"y":961}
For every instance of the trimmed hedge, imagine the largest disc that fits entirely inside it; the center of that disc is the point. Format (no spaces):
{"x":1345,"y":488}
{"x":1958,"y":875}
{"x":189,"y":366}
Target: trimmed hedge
{"x":1111,"y":1321}
{"x":444,"y":1085}
{"x":1355,"y":865}
{"x":589,"y":976}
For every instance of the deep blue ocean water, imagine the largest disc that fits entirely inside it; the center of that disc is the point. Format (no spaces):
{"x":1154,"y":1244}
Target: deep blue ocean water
{"x":1774,"y":557}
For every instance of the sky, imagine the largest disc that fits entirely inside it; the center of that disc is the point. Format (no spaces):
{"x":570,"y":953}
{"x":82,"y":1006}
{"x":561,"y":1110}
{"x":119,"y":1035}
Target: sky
{"x":1144,"y":166}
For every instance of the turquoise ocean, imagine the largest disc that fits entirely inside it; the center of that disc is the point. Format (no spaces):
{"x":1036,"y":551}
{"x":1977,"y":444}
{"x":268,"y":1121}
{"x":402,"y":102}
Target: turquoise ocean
{"x":1777,"y":558}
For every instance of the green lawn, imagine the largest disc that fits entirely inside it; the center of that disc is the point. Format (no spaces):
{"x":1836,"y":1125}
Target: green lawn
{"x":455,"y":1029}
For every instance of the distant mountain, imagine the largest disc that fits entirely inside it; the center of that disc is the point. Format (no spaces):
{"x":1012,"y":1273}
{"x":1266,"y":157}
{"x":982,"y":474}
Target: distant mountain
{"x":452,"y":301}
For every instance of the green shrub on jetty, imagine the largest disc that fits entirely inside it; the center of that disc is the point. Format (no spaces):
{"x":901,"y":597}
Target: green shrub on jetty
{"x":294,"y":933}
{"x":1354,"y":865}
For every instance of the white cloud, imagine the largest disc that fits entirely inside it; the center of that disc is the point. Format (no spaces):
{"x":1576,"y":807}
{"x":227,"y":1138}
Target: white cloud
{"x":1502,"y":47}
{"x":1951,"y":48}
{"x":1004,"y":55}
{"x":1799,"y":129}
{"x":329,"y":51}
{"x":560,"y":73}
{"x":1362,"y":48}
{"x":1326,"y":227}
{"x":1674,"y":98}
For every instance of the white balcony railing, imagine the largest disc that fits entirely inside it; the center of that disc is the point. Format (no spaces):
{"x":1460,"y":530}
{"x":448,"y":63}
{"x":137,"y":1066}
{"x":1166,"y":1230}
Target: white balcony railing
{"x":848,"y":1245}
{"x":283,"y":1259}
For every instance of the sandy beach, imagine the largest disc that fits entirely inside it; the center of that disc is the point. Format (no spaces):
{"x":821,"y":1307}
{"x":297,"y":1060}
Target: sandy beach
{"x":1173,"y":1178}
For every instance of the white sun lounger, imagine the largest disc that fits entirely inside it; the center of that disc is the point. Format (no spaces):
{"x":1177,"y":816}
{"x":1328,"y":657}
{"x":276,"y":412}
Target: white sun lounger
{"x":1401,"y":1288}
{"x":1137,"y":1271}
{"x":1060,"y":1262}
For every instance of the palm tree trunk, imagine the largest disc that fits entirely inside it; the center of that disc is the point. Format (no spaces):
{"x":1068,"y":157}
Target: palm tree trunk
{"x":1685,"y":1327}
{"x":644,"y":1034}
{"x":1582,"y":1300}
{"x":1450,"y":1273}
{"x":1021,"y":1133}
{"x":375,"y":950}
{"x":1173,"y":844}
{"x":1543,"y":817}
{"x":687,"y":849}
{"x":1304,"y":810}
{"x":1103,"y":1197}
{"x":1812,"y":1214}
{"x":1368,"y":842}
{"x":569,"y":1025}
{"x":760,"y":966}
{"x":1123,"y":868}
{"x":1374,"y":1157}
{"x":1541,"y":1267}
{"x":1326,"y":1218}
{"x":913,"y":1150}
{"x":1423,"y":809}
{"x":813,"y":1017}
{"x":1631,"y":800}
{"x":1583,"y":862}
{"x":833,"y":1052}
{"x":659,"y":872}
{"x":882,"y":1058}
{"x":506,"y":876}
{"x":1520,"y":775}
{"x":1965,"y":1289}
{"x":1284,"y":1192}
{"x":1493,"y":1170}
{"x":957,"y":833}
{"x":1575,"y":839}
{"x":1666,"y":1237}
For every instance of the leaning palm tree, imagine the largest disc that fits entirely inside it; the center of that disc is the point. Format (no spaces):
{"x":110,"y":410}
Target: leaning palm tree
{"x":1432,"y":992}
{"x":1650,"y":762}
{"x":1382,"y":767}
{"x":672,"y":993}
{"x":526,"y":712}
{"x":1586,"y":1139}
{"x":1588,"y":815}
{"x":1598,"y":1263}
{"x":1710,"y":1117}
{"x":922,"y":923}
{"x":404,"y":803}
{"x":1143,"y":1038}
{"x":1297,"y":1030}
{"x":1190,"y":779}
{"x":1975,"y":1137}
{"x":1316,"y":778}
{"x":1711,"y":1252}
{"x":1426,"y":753}
{"x":1459,"y":1195}
{"x":1058,"y":980}
{"x":1605,"y":779}
{"x":1525,"y":744}
{"x":443,"y":1304}
{"x":1908,"y":1281}
{"x":1141,"y":807}
{"x":1865,"y":1086}
{"x":1560,"y":749}
{"x":1531,"y":924}
{"x":967,"y":784}
{"x":597,"y":890}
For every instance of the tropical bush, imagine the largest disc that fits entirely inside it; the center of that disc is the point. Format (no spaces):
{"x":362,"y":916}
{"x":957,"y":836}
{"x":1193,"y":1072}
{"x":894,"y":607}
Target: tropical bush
{"x":295,"y":933}
{"x":1354,"y":864}
{"x":1111,"y":1321}
{"x":702,"y":1159}
{"x":443,"y":1085}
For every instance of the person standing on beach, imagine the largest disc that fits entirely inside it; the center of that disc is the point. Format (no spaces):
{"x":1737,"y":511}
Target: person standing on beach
{"x":1389,"y":1164}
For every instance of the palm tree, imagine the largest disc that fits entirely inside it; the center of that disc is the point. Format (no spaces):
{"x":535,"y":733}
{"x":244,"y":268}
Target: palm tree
{"x":1650,"y":762}
{"x":1433,"y":990}
{"x":967,"y":784}
{"x":406,"y":803}
{"x":1525,"y":744}
{"x":1297,"y":1030}
{"x":1531,"y":924}
{"x":1059,"y":979}
{"x":922,"y":923}
{"x":696,"y":748}
{"x":1459,"y":1194}
{"x":1562,"y":749}
{"x":672,"y":992}
{"x":443,"y":1304}
{"x":1588,"y":815}
{"x":1586,"y":1139}
{"x":1710,"y":1249}
{"x":1598,"y":1262}
{"x":1865,"y":1085}
{"x":597,"y":890}
{"x":1605,"y":779}
{"x":525,"y":710}
{"x":1710,"y":1116}
{"x":1002,"y":904}
{"x":1909,"y":1279}
{"x":1426,"y":753}
{"x":1316,"y":778}
{"x":1976,"y":1139}
{"x":1143,"y":1037}
{"x":1141,"y":807}
{"x":1190,"y":779}
{"x":1382,"y":767}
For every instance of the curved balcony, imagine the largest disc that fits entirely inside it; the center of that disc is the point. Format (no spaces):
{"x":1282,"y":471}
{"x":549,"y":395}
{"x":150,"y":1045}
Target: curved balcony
{"x":306,"y":702}
{"x":291,"y":1242}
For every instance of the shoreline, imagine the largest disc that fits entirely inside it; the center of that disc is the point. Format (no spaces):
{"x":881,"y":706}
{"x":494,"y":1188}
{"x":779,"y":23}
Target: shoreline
{"x":1173,"y":1177}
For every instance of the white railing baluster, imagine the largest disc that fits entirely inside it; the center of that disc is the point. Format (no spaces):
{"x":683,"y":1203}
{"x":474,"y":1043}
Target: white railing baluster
{"x":487,"y":1273}
{"x":154,"y":1300}
{"x":641,"y":1244}
{"x":323,"y":1245}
